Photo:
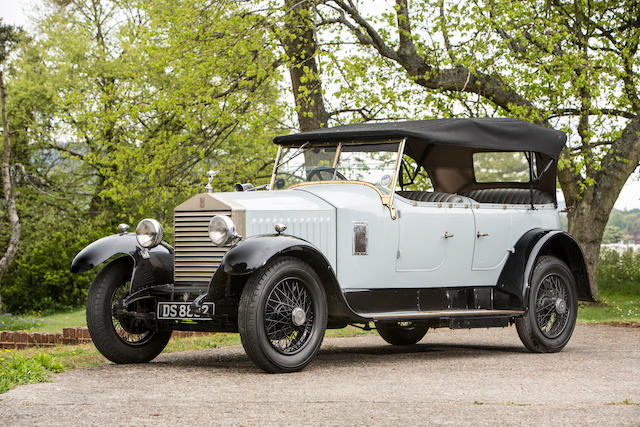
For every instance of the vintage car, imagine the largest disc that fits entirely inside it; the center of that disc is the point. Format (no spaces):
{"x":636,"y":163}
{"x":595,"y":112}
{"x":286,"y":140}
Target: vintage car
{"x":399,"y":226}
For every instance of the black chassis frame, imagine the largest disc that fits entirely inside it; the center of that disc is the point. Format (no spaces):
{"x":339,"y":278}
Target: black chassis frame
{"x":152,"y":277}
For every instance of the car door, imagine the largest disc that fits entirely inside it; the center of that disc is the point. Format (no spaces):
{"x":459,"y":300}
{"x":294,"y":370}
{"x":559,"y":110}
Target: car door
{"x":435,"y":243}
{"x":492,"y":238}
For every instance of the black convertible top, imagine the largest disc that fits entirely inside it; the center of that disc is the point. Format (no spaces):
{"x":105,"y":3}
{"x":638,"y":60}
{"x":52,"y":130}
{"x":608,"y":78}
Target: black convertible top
{"x":484,"y":133}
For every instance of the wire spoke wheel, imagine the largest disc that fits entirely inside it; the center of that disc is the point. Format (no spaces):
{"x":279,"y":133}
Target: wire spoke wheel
{"x":288,"y":316}
{"x":131,"y":331}
{"x":552,"y":311}
{"x":282,"y":315}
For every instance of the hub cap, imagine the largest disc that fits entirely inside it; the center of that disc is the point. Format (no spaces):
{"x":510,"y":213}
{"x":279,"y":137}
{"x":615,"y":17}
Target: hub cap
{"x":298,"y":316}
{"x":561,"y":306}
{"x":289,"y":316}
{"x":552,"y":312}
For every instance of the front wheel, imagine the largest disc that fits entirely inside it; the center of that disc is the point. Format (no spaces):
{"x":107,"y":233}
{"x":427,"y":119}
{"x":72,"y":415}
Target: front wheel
{"x":282,"y":316}
{"x":119,"y":337}
{"x":402,"y":333}
{"x":552,"y":310}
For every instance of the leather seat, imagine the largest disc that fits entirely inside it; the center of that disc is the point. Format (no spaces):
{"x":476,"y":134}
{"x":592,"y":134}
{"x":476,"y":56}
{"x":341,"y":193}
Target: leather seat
{"x":431,"y":196}
{"x":507,"y":196}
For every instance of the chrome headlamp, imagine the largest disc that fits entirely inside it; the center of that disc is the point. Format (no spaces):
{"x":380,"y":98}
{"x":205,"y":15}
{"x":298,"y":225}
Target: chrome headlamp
{"x":149,"y":233}
{"x":222,"y":230}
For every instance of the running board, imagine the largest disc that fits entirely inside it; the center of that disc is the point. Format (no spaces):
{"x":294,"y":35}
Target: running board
{"x":440,"y":314}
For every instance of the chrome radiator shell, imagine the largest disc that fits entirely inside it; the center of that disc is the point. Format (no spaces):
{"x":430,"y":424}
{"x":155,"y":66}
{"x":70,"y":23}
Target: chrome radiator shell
{"x":196,"y":258}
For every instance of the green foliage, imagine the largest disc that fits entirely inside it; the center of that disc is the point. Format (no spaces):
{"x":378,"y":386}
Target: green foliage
{"x":619,"y":285}
{"x":10,"y":322}
{"x":623,"y":223}
{"x":118,"y":112}
{"x":620,"y":272}
{"x":40,"y":278}
{"x":612,"y":234}
{"x":9,"y":37}
{"x":16,"y":369}
{"x":500,"y":167}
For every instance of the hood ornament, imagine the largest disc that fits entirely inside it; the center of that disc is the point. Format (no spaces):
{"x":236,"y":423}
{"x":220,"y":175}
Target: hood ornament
{"x":208,"y":188}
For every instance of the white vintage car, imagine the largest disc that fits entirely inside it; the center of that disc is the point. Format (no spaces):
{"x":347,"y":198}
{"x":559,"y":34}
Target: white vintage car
{"x":399,"y":226}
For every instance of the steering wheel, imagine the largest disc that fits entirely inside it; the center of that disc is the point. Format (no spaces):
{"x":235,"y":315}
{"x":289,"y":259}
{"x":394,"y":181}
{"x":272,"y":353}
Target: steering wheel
{"x":325,"y":173}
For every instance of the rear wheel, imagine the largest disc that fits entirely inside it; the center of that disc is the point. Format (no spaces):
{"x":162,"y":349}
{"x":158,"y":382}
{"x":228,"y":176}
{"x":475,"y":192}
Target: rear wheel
{"x":120,"y":338}
{"x":282,"y":316}
{"x":548,"y":324}
{"x":402,"y":333}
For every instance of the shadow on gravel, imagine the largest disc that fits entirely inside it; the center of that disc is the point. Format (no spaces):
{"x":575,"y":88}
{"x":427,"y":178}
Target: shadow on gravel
{"x":237,"y":361}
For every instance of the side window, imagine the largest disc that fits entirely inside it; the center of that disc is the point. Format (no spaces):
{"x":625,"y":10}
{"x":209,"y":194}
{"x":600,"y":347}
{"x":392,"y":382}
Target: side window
{"x":501,"y":167}
{"x":410,"y":180}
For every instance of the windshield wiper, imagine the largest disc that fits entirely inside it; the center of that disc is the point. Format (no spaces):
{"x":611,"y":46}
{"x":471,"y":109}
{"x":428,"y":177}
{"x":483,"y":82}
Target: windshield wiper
{"x":294,"y":155}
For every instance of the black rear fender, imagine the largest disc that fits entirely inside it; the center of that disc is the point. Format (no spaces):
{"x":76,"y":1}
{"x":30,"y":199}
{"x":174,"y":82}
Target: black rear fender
{"x":152,"y":267}
{"x":513,"y":284}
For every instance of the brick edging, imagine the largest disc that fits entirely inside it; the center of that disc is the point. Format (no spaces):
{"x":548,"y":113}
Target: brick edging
{"x":68,"y":336}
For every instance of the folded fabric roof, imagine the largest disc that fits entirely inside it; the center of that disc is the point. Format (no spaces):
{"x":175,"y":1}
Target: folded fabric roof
{"x":499,"y":134}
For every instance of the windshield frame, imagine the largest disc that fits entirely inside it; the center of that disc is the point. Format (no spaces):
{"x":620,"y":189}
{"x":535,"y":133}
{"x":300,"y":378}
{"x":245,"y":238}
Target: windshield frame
{"x":387,"y":199}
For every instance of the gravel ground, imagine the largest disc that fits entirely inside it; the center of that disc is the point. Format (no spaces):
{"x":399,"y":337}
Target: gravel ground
{"x":479,"y":377}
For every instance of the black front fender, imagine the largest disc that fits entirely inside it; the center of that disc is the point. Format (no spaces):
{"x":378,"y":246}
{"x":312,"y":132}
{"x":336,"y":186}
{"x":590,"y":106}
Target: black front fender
{"x":254,"y":253}
{"x":154,"y":269}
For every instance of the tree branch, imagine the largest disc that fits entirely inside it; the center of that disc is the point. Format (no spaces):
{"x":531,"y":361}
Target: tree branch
{"x":456,"y":79}
{"x":563,"y":112}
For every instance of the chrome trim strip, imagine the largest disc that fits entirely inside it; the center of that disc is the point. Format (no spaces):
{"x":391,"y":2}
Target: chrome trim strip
{"x":441,"y":313}
{"x":389,"y":197}
{"x":275,"y":166}
{"x":336,"y":156}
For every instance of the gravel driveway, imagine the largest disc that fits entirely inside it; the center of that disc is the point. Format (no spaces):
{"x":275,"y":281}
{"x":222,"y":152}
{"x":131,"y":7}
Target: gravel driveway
{"x":475,"y":377}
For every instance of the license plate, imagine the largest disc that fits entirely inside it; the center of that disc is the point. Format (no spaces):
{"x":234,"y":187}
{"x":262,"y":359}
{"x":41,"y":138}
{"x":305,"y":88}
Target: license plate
{"x":182,"y":310}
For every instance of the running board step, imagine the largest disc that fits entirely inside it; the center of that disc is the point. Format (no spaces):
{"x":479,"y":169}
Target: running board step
{"x":441,"y":314}
{"x":479,"y":322}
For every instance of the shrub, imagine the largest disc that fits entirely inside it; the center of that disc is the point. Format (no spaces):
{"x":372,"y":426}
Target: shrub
{"x":39,"y":277}
{"x":619,"y":273}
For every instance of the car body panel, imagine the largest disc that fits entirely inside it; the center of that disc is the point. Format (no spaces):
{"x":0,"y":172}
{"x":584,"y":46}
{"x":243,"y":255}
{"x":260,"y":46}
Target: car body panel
{"x":306,"y":216}
{"x":360,"y":204}
{"x":408,"y":252}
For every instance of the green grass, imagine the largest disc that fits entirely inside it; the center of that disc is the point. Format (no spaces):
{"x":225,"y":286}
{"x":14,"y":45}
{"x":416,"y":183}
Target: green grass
{"x":62,"y":319}
{"x":620,"y":304}
{"x":36,"y":322}
{"x":16,"y":368}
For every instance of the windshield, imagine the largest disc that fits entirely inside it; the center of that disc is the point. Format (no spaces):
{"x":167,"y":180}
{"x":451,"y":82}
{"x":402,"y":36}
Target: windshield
{"x":371,"y":163}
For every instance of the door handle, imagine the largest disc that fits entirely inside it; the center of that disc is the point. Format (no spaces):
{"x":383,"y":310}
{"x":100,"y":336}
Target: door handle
{"x":447,"y":235}
{"x":479,"y":234}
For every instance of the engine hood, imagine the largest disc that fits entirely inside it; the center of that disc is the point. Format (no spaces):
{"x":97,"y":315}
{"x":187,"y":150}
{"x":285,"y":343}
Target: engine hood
{"x":282,"y":201}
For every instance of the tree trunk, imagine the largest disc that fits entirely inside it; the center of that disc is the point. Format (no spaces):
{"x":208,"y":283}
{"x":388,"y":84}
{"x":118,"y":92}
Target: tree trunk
{"x":9,"y":196}
{"x":587,"y":223}
{"x":299,"y":42}
{"x":591,"y":209}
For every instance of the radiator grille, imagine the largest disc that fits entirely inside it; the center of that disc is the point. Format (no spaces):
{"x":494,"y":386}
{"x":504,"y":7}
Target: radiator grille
{"x":196,"y":257}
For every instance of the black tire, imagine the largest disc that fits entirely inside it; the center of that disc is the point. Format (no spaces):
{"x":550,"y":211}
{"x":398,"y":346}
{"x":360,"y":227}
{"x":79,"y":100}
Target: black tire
{"x":402,"y":333}
{"x":552,"y":310}
{"x":265,"y":316}
{"x":117,"y":345}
